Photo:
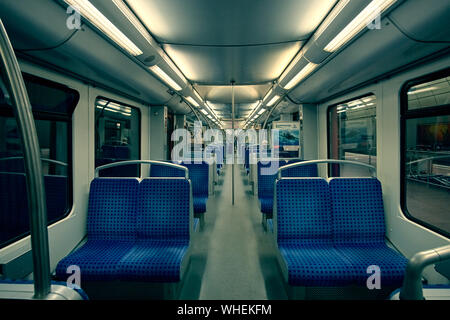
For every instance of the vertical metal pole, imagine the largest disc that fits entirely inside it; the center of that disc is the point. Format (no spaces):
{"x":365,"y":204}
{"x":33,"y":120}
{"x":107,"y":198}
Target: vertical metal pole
{"x":232,"y":126}
{"x":33,"y":167}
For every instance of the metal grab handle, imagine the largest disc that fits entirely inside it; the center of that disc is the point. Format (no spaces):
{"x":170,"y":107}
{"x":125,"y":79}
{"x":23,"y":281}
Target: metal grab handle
{"x":33,"y":167}
{"x":305,"y":163}
{"x":42,"y":159}
{"x":412,"y":285}
{"x":129,"y":162}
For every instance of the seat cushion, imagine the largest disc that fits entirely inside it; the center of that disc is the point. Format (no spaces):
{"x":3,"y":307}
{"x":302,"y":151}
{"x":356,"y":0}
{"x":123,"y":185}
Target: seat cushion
{"x":266,"y":205}
{"x":97,"y":260}
{"x":392,"y":265}
{"x":200,"y":204}
{"x":153,"y":261}
{"x":312,"y":265}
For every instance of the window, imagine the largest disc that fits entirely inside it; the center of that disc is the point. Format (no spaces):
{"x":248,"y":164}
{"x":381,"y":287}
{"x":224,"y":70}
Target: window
{"x":117,"y":137}
{"x":426,"y":151}
{"x":352,"y":135}
{"x":53,"y":105}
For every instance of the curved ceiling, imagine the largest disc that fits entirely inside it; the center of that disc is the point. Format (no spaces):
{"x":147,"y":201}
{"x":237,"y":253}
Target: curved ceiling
{"x":215,"y":42}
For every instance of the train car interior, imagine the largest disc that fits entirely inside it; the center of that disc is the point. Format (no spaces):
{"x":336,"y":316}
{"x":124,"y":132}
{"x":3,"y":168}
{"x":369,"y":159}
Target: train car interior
{"x":225,"y":150}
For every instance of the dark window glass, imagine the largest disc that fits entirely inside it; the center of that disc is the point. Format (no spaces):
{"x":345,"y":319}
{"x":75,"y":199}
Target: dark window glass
{"x":426,"y":152}
{"x":52,"y":105}
{"x":352,"y":136}
{"x":117,"y":137}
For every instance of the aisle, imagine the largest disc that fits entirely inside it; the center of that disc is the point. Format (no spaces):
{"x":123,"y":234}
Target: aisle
{"x":233,"y":258}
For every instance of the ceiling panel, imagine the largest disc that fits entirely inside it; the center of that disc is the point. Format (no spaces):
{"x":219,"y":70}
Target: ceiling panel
{"x":244,"y":65}
{"x":231,"y":22}
{"x":243,"y":94}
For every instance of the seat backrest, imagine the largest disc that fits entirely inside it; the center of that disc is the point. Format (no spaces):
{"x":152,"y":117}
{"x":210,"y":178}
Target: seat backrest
{"x":112,"y":209}
{"x":303,"y":210}
{"x":160,"y":171}
{"x":357,"y":211}
{"x":199,"y":176}
{"x":302,"y":171}
{"x":266,"y":181}
{"x":164,"y":209}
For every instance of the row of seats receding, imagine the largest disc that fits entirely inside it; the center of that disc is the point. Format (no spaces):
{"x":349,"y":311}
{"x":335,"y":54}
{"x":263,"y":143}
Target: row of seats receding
{"x":329,"y":234}
{"x":137,"y":231}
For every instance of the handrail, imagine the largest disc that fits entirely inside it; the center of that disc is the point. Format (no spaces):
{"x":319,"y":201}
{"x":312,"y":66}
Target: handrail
{"x":309,"y":162}
{"x":42,"y":159}
{"x":33,"y":167}
{"x":130,"y":162}
{"x":412,"y":285}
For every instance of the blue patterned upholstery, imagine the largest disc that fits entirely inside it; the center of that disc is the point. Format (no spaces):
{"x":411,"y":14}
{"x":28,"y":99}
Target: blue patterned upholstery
{"x":199,"y":176}
{"x":154,"y":261}
{"x":304,"y":234}
{"x":97,"y":259}
{"x":266,"y":181}
{"x":329,"y":235}
{"x":163,"y":209}
{"x":112,"y":209}
{"x":163,"y":222}
{"x":136,"y":231}
{"x":359,"y":229}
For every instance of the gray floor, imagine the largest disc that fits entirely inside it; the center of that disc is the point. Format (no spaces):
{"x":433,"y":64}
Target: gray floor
{"x":233,"y":258}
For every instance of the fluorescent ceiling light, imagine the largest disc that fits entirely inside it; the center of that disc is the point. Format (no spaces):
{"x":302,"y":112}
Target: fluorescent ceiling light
{"x":368,"y":14}
{"x":192,"y":101}
{"x":197,"y":95}
{"x":94,"y":16}
{"x":133,"y":19}
{"x":163,"y":76}
{"x":204,"y":111}
{"x":261,"y":111}
{"x":306,"y":71}
{"x":272,"y":102}
{"x":330,"y":18}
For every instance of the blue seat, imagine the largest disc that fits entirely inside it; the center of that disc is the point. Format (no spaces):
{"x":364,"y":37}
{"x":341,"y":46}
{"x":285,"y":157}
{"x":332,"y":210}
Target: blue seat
{"x":266,"y":181}
{"x":111,"y":230}
{"x":199,"y":176}
{"x":359,"y":229}
{"x":163,"y":223}
{"x":304,"y":235}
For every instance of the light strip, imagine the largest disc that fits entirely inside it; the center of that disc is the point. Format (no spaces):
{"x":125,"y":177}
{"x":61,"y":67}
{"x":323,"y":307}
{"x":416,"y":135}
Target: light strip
{"x":160,"y":73}
{"x":93,"y":15}
{"x":368,"y":14}
{"x":204,"y":111}
{"x":422,"y":90}
{"x":192,"y":101}
{"x":306,"y":71}
{"x":272,"y":102}
{"x":330,"y":18}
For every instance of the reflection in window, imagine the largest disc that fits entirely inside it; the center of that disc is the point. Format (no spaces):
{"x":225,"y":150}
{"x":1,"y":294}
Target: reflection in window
{"x":53,"y":105}
{"x":427,"y":154}
{"x":352,"y":135}
{"x":117,"y":137}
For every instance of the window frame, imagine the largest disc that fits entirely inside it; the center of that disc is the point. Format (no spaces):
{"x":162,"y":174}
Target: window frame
{"x":49,"y":116}
{"x":100,"y":97}
{"x":405,"y":115}
{"x":368,"y":94}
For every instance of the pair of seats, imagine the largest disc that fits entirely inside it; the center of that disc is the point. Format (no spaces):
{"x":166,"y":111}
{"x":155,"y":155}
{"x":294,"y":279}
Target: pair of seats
{"x":199,"y":176}
{"x":329,"y":234}
{"x":136,"y":231}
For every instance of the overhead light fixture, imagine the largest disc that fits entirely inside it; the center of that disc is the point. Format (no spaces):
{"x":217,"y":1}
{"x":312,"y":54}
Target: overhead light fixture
{"x":193,"y":102}
{"x":415,"y":91}
{"x":330,"y":18}
{"x":94,"y":16}
{"x":306,"y":71}
{"x":204,"y":111}
{"x":163,"y":76}
{"x":272,"y":102}
{"x":261,"y":111}
{"x":368,"y":14}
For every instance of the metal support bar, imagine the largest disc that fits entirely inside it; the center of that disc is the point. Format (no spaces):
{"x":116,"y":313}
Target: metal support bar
{"x":33,"y":167}
{"x":305,"y":163}
{"x":412,"y":285}
{"x":130,"y":162}
{"x":232,"y":126}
